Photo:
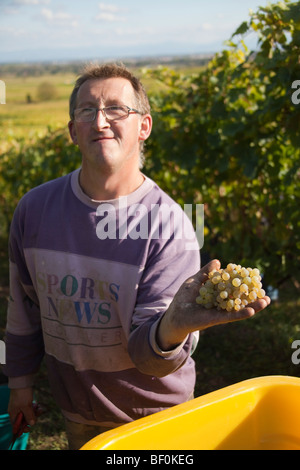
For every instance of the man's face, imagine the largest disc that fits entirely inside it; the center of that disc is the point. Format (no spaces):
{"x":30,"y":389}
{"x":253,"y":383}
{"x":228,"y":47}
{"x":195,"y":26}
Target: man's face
{"x":109,"y":144}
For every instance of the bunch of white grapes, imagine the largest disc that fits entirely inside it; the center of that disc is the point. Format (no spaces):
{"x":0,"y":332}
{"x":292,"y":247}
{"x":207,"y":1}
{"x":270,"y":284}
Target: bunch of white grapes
{"x":231,"y":288}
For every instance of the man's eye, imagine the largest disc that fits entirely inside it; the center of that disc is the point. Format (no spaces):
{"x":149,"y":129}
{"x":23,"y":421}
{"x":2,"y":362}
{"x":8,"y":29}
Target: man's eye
{"x":85,"y":111}
{"x":115,"y":108}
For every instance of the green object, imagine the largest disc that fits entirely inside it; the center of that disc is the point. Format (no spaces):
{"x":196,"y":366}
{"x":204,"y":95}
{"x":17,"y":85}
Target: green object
{"x":5,"y":425}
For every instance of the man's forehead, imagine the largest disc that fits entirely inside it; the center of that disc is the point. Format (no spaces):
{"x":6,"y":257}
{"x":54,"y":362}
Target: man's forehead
{"x":106,"y":88}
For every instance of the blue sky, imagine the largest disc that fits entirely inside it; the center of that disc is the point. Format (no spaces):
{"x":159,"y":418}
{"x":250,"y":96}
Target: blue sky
{"x":33,"y":30}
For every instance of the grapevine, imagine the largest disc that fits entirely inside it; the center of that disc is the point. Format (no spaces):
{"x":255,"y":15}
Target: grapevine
{"x":231,"y":288}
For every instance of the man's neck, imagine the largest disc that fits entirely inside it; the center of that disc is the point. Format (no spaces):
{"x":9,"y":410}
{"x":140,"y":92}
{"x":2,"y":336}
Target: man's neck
{"x":103,"y":187}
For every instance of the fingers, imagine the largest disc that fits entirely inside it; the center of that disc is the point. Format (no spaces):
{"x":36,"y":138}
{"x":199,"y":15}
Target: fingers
{"x":25,"y":419}
{"x":202,"y":275}
{"x":18,"y":423}
{"x":259,"y":304}
{"x":213,"y":264}
{"x":29,"y":415}
{"x":250,"y":310}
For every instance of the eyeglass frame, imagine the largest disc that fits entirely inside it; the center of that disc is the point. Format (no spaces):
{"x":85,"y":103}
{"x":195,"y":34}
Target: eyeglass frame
{"x":103,"y":110}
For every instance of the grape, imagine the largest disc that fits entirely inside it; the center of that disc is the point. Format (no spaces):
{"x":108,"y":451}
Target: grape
{"x":230,"y":305}
{"x":236,"y":282}
{"x":231,"y":288}
{"x":244,"y":288}
{"x":255,"y":281}
{"x":261,"y":293}
{"x":230,"y":267}
{"x":209,"y":285}
{"x":225,"y":276}
{"x":224,"y":294}
{"x":252,"y":295}
{"x":236,"y":293}
{"x":244,"y":272}
{"x":247,"y":280}
{"x":255,"y":272}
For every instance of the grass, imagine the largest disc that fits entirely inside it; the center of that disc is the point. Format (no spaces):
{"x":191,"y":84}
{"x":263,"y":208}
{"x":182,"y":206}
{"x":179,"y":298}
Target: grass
{"x":18,"y":117}
{"x":226,"y":355}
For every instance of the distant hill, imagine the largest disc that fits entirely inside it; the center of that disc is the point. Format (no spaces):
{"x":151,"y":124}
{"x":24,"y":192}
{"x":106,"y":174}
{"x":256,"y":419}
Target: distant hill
{"x":42,"y":68}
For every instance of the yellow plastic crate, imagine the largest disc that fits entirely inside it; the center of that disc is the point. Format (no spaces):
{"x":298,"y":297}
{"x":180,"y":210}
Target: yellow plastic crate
{"x":257,"y":414}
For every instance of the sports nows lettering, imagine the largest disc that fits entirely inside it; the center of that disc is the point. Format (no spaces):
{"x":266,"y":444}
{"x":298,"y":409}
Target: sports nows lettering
{"x":89,"y":299}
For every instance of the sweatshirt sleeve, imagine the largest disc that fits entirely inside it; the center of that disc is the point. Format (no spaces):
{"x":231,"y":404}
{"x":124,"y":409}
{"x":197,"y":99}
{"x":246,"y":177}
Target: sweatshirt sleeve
{"x":24,"y":339}
{"x":168,"y":266}
{"x":148,"y":357}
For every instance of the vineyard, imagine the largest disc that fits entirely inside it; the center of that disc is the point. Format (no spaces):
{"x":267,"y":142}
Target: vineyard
{"x":225,"y":135}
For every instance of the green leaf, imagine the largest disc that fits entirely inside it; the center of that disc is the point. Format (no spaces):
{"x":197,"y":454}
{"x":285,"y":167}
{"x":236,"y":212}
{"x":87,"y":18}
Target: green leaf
{"x":242,"y":29}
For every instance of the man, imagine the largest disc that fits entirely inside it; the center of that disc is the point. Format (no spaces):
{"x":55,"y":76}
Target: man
{"x":95,"y":286}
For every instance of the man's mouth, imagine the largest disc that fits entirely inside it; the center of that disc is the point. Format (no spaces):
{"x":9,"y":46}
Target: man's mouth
{"x":101,"y":138}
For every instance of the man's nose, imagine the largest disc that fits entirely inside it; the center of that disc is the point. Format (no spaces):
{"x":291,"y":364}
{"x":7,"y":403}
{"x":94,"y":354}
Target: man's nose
{"x":100,"y":120}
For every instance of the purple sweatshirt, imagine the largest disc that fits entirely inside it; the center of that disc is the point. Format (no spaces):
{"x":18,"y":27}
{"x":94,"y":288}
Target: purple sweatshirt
{"x":89,"y":281}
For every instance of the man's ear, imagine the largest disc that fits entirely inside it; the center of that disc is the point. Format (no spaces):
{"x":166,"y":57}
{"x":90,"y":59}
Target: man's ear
{"x":146,"y":127}
{"x":72,"y":131}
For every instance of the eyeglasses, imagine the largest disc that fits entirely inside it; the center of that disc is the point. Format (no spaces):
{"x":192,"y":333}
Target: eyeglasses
{"x":111,"y":113}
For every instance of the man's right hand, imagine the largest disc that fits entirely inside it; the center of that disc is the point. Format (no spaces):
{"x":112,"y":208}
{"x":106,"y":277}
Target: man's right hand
{"x":21,"y":400}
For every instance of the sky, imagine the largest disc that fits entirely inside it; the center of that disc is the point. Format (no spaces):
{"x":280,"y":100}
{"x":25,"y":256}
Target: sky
{"x":65,"y":30}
